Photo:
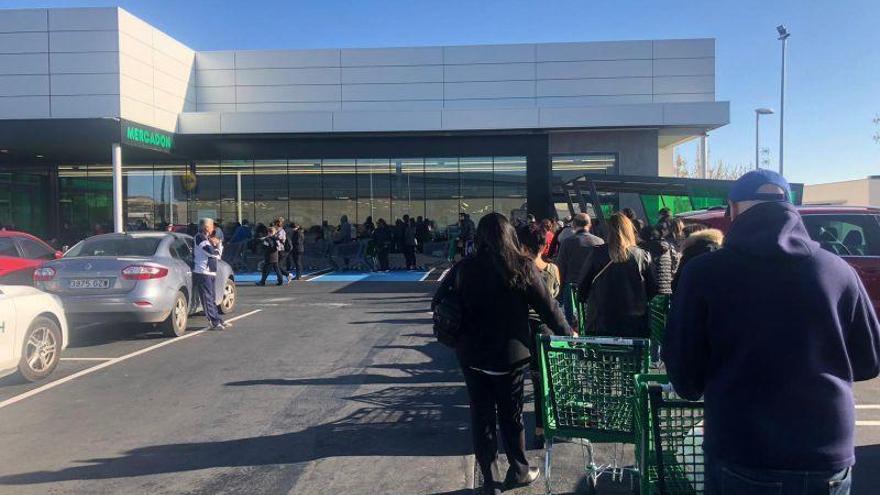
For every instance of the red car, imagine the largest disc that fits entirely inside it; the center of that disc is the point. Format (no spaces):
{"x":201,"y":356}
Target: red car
{"x":20,"y":253}
{"x":852,"y":232}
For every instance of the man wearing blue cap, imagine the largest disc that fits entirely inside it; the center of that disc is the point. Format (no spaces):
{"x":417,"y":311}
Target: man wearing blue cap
{"x":772,"y":331}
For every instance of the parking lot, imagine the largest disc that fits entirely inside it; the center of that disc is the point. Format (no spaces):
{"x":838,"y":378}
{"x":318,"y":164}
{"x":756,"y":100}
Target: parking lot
{"x":326,"y":386}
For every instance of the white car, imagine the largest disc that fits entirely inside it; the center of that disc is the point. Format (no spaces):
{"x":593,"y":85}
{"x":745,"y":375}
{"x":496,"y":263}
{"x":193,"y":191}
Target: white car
{"x":33,"y":332}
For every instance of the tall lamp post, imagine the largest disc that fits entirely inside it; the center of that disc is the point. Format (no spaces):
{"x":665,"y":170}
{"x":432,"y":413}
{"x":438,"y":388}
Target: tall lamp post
{"x":783,"y":37}
{"x":758,"y":113}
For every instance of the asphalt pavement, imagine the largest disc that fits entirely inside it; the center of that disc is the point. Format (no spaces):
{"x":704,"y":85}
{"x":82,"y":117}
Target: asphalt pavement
{"x":320,"y":388}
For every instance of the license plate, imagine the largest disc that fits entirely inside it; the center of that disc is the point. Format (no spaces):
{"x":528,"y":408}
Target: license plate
{"x":90,"y":283}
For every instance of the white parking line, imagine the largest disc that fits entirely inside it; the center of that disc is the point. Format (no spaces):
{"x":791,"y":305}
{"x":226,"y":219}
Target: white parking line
{"x":867,"y":406}
{"x":443,"y":275}
{"x":86,"y":359}
{"x":426,"y":275}
{"x":105,"y":364}
{"x":867,"y":423}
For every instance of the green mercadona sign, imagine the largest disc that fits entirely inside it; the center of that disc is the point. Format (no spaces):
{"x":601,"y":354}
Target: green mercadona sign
{"x":142,"y":137}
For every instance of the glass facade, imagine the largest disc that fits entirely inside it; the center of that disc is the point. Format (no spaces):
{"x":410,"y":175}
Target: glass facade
{"x":305,"y":191}
{"x":23,"y":200}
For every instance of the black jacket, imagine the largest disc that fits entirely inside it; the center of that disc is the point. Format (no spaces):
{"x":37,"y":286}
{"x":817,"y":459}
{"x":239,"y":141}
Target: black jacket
{"x":297,"y":240}
{"x":617,"y":302}
{"x":701,"y":242}
{"x":772,"y":330}
{"x":664,"y":262}
{"x":573,"y":255}
{"x":496,"y":331}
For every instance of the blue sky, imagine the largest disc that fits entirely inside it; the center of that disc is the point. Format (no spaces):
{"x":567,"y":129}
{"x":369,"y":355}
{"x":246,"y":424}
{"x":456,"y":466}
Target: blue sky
{"x":834,"y":66}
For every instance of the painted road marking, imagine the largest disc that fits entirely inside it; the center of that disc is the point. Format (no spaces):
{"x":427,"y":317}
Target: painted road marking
{"x":86,"y":359}
{"x":867,"y":406}
{"x":426,"y":275}
{"x":105,"y":364}
{"x":443,"y":275}
{"x":867,"y":423}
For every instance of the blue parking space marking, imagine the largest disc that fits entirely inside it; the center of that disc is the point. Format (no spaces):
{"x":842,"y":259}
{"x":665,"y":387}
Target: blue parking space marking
{"x":253,"y":277}
{"x":394,"y":276}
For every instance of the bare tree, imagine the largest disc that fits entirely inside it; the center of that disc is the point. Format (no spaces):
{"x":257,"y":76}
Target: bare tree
{"x":720,"y":171}
{"x":876,"y":121}
{"x":681,"y":167}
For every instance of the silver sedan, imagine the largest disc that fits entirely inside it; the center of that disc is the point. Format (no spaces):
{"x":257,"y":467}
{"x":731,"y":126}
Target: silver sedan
{"x":143,"y":277}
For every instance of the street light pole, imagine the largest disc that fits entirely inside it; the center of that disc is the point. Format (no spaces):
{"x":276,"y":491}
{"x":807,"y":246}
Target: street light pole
{"x":783,"y":36}
{"x":758,"y":113}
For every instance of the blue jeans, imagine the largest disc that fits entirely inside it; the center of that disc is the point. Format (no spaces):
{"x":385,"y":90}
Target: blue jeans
{"x":726,"y":479}
{"x":204,"y":286}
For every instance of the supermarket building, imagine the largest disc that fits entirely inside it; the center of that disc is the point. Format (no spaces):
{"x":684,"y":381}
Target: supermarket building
{"x":107,"y":122}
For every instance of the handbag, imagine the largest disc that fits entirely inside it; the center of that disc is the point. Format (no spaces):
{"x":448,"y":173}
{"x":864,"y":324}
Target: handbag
{"x":448,"y":314}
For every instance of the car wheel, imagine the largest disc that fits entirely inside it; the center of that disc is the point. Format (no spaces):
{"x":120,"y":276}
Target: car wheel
{"x":41,"y":350}
{"x":175,"y":324}
{"x":227,"y":304}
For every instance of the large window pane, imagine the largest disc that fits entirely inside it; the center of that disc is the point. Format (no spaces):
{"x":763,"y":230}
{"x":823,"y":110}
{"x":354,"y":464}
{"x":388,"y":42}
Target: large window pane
{"x":236,"y":192}
{"x":374,"y":190}
{"x":510,"y":186}
{"x":408,"y":188}
{"x":138,"y":203}
{"x":442,"y":192}
{"x":206,"y":193}
{"x":170,"y":194}
{"x":304,"y":183}
{"x":476,"y":186}
{"x":100,"y":198}
{"x":24,"y":201}
{"x":340,"y":190}
{"x":270,"y":190}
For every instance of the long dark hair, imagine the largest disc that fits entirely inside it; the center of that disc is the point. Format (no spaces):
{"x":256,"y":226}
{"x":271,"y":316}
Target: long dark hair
{"x":497,"y":240}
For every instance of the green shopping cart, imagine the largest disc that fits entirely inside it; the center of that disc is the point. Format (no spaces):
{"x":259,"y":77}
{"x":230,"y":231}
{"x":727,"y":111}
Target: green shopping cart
{"x":669,"y":451}
{"x":658,"y":309}
{"x":577,"y":307}
{"x":589,"y":396}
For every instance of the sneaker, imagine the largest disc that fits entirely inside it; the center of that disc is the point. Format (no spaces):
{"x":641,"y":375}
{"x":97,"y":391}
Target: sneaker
{"x":218,"y":327}
{"x":510,"y":482}
{"x":260,"y":284}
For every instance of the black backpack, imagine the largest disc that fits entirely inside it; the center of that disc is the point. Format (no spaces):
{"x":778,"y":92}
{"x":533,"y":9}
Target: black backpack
{"x":448,"y":313}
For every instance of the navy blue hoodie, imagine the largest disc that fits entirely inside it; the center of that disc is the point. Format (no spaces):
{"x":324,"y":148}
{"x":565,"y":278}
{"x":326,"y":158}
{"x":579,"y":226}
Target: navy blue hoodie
{"x":772,"y":331}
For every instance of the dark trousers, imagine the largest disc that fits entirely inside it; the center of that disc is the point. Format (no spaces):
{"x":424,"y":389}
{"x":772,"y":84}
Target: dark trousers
{"x":295,"y":260}
{"x":723,"y":478}
{"x":271,"y":265}
{"x":497,"y":398}
{"x":382,"y":254}
{"x":409,"y":252}
{"x":204,"y":286}
{"x":283,"y":263}
{"x":538,"y":393}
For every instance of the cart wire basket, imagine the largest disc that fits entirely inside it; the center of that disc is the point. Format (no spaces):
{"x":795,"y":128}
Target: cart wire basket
{"x":658,"y":309}
{"x":577,"y":307}
{"x":590,"y":396}
{"x":669,"y":451}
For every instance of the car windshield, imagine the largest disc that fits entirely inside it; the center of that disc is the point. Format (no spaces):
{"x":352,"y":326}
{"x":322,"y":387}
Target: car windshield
{"x":845,"y":234}
{"x":115,"y":246}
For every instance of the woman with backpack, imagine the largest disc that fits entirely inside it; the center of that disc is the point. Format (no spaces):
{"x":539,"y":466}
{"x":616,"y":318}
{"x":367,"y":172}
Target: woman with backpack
{"x":495,"y":289}
{"x":618,"y":283}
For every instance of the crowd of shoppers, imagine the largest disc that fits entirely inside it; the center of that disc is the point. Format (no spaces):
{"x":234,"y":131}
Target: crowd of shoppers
{"x":766,"y":327}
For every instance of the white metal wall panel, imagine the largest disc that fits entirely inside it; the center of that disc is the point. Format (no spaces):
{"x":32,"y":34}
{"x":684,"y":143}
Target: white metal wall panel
{"x":430,"y":55}
{"x":374,"y":106}
{"x":708,"y":113}
{"x":490,"y":72}
{"x":392,"y":74}
{"x":282,"y":59}
{"x":693,"y":48}
{"x":590,"y":87}
{"x":602,"y":50}
{"x":84,"y":106}
{"x":222,"y":94}
{"x":137,"y":110}
{"x":516,"y":118}
{"x":684,"y":98}
{"x":489,"y":54}
{"x":84,"y":63}
{"x":392,"y":92}
{"x":83,"y":19}
{"x":300,"y":93}
{"x":483,"y":103}
{"x":200,"y":123}
{"x":219,"y":77}
{"x":684,"y":67}
{"x":602,"y":116}
{"x":84,"y":41}
{"x":85,"y":84}
{"x":319,"y":106}
{"x":28,"y":63}
{"x":215,"y":60}
{"x":586,"y":101}
{"x":594,"y":69}
{"x":136,"y":48}
{"x":244,"y":122}
{"x":24,"y":85}
{"x":684,"y":84}
{"x":136,"y":69}
{"x":279,"y":77}
{"x":386,"y":121}
{"x":25,"y":107}
{"x":18,"y":21}
{"x":135,"y":88}
{"x":24,"y":43}
{"x":502,"y":89}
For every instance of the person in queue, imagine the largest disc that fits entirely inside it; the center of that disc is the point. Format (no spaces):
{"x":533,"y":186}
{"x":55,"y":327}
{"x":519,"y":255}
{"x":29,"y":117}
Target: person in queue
{"x":207,"y":252}
{"x":772,"y":331}
{"x":617,"y":284}
{"x":272,"y":245}
{"x":664,"y":257}
{"x":572,"y":258}
{"x":286,"y":248}
{"x":297,"y":239}
{"x":497,"y":287}
{"x":699,"y":240}
{"x":383,"y":237}
{"x":533,"y":241}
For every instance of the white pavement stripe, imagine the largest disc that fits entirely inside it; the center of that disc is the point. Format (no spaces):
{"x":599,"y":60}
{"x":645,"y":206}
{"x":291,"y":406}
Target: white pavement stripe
{"x":426,"y":275}
{"x":443,"y":275}
{"x":61,"y":381}
{"x":867,"y":423}
{"x":86,"y":359}
{"x":867,"y":406}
